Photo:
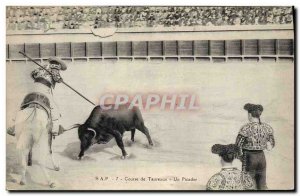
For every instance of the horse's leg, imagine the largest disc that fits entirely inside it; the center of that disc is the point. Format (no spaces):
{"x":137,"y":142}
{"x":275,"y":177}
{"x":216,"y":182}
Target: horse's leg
{"x":29,"y":162}
{"x":43,"y":151}
{"x":54,"y":163}
{"x":132,"y":134}
{"x":24,"y":155}
{"x":42,"y":165}
{"x":49,"y":181}
{"x":145,"y":130}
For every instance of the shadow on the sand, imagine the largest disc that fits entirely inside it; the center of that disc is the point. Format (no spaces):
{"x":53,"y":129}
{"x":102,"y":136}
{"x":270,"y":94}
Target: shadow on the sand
{"x":119,"y":157}
{"x":12,"y":161}
{"x":13,"y":166}
{"x":72,"y":150}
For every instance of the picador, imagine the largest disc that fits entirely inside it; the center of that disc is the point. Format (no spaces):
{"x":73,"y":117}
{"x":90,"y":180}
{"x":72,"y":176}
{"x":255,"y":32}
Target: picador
{"x":37,"y":120}
{"x":41,"y":96}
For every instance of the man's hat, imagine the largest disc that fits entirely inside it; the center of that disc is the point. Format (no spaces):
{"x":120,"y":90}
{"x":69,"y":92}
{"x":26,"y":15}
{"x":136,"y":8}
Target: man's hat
{"x":62,"y":65}
{"x":222,"y":150}
{"x":253,"y":107}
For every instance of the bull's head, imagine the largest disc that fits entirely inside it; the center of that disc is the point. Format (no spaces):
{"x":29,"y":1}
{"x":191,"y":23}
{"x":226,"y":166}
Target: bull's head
{"x":87,"y":138}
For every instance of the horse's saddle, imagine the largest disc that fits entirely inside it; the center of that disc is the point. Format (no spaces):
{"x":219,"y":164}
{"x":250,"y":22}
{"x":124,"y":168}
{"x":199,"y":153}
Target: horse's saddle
{"x":38,"y":100}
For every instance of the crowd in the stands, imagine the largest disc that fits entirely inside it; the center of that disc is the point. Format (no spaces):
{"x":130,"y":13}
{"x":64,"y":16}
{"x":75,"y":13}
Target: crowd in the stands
{"x":79,"y":17}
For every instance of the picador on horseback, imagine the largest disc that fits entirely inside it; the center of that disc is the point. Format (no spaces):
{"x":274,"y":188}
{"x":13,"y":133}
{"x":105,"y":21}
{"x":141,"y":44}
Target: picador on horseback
{"x":37,"y":121}
{"x":42,"y":97}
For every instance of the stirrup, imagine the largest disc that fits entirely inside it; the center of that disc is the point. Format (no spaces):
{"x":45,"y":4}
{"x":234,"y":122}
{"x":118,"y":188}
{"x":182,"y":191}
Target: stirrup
{"x":11,"y":131}
{"x":61,"y":130}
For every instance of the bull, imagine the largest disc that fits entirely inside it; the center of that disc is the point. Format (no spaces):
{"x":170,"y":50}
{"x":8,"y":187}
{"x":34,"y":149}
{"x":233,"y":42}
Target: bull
{"x":104,"y":124}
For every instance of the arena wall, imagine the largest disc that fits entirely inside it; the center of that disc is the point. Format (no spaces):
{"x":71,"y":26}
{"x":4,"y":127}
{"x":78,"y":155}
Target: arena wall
{"x":192,"y":44}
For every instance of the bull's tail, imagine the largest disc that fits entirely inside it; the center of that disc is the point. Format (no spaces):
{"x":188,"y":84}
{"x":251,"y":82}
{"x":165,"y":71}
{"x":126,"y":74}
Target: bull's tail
{"x":73,"y":127}
{"x":62,"y":130}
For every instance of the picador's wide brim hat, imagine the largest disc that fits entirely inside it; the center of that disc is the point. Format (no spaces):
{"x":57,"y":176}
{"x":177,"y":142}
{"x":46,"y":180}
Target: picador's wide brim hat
{"x":56,"y":60}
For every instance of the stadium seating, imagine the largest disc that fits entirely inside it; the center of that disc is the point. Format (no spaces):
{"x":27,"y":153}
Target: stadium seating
{"x":79,"y":17}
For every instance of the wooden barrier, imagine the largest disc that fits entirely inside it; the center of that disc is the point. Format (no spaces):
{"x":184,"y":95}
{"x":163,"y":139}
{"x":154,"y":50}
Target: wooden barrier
{"x":215,"y":50}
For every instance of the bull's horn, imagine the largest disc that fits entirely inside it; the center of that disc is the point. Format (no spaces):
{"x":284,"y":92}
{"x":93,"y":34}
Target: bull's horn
{"x":90,"y":129}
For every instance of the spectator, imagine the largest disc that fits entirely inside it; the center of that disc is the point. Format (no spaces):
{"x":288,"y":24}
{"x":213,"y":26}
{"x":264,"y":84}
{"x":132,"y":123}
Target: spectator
{"x":76,"y":17}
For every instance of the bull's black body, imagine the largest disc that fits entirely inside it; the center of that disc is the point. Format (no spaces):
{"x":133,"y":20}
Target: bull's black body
{"x":109,"y":124}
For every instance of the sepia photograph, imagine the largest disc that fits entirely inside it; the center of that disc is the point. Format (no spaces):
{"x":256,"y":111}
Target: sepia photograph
{"x":150,"y":98}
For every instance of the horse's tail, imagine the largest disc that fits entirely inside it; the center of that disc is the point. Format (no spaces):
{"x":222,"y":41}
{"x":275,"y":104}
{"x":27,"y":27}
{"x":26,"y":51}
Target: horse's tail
{"x":21,"y":117}
{"x":28,"y":127}
{"x":32,"y":115}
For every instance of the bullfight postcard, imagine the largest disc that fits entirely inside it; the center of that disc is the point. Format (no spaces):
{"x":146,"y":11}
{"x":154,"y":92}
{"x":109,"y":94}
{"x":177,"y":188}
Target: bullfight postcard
{"x":150,"y":98}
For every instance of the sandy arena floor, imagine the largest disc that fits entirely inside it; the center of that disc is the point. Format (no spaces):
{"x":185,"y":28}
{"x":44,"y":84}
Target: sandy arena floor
{"x":182,"y":140}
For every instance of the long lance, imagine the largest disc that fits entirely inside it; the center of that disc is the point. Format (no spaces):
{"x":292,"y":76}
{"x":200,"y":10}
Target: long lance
{"x":61,"y":79}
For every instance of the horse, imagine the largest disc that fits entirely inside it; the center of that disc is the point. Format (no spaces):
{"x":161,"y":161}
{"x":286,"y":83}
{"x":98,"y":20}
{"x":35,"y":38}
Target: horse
{"x":32,"y":131}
